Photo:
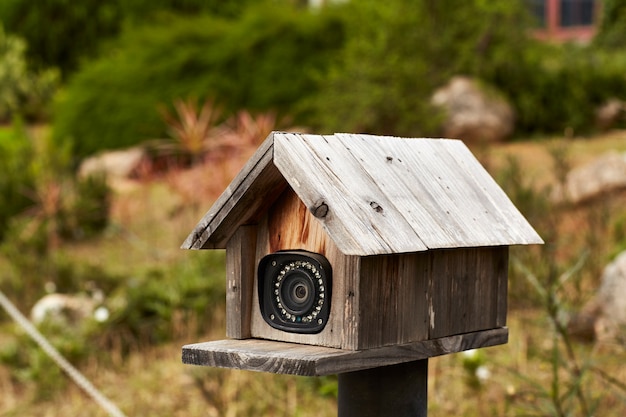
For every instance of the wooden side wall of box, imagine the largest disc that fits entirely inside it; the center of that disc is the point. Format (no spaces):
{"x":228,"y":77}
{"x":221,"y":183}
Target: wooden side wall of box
{"x":240,"y":269}
{"x":433,"y":294}
{"x":393,"y":295}
{"x":467,"y":290}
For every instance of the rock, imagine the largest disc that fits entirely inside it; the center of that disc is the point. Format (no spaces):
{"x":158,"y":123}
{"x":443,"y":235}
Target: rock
{"x":62,"y":308}
{"x":612,"y":292}
{"x":604,"y":175}
{"x":119,"y":164}
{"x":474,"y":113}
{"x":608,"y":114}
{"x":604,"y":316}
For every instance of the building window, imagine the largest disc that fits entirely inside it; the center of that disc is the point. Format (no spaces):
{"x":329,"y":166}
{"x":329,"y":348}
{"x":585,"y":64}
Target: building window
{"x":564,"y":20}
{"x":576,"y":12}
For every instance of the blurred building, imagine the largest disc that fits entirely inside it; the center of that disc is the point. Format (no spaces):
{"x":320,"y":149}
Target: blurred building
{"x":566,"y":20}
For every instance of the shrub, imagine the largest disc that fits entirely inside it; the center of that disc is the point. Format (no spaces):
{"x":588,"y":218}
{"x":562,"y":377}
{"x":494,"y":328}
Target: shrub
{"x":28,"y":363}
{"x":86,"y":211}
{"x":612,"y":28}
{"x":190,"y":130}
{"x":41,"y":194}
{"x":389,"y":70}
{"x":22,"y":92}
{"x":558,"y":88}
{"x":31,"y":261}
{"x":265,"y":59}
{"x":398,"y":52}
{"x":154,"y":306}
{"x":15,"y":154}
{"x":165,"y":303}
{"x":72,"y":336}
{"x":61,"y":33}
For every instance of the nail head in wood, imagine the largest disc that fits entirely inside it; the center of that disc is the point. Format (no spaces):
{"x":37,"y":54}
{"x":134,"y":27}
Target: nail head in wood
{"x":321,"y":210}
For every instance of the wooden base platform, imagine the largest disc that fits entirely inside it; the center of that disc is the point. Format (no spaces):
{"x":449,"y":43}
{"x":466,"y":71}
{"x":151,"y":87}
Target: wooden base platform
{"x":295,"y":359}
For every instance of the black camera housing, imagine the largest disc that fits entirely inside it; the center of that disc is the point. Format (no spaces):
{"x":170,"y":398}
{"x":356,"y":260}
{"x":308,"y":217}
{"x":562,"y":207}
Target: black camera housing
{"x":295,"y":291}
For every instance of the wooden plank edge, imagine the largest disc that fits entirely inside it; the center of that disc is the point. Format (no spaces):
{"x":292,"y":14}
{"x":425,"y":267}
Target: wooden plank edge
{"x":231,"y":196}
{"x":294,"y":359}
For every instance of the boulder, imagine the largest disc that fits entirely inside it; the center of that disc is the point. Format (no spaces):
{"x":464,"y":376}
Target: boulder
{"x":119,"y":164}
{"x":62,"y":308}
{"x":604,"y":316}
{"x":474,"y":112}
{"x":609,"y":113}
{"x":604,"y":175}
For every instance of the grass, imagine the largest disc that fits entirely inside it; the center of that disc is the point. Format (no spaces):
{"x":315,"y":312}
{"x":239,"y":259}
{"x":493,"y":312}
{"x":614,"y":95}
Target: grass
{"x":152,"y":218}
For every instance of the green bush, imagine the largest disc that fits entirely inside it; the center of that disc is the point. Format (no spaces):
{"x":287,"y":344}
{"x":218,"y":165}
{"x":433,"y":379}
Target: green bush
{"x":140,"y":10}
{"x":87,"y":212}
{"x":73,"y":337}
{"x":389,"y":70}
{"x":15,"y":153}
{"x":155,"y":306}
{"x":264,"y":60}
{"x":398,"y":52}
{"x":42,"y":196}
{"x":559,"y":87}
{"x":22,"y":92}
{"x":612,"y":30}
{"x":61,"y":33}
{"x":28,"y":363}
{"x":165,"y":303}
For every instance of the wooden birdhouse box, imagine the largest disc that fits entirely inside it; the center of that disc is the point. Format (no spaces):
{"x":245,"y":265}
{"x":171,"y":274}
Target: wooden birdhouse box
{"x":363,"y":246}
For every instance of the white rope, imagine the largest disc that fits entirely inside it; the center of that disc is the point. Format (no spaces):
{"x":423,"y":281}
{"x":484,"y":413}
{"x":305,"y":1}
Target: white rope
{"x":50,"y":350}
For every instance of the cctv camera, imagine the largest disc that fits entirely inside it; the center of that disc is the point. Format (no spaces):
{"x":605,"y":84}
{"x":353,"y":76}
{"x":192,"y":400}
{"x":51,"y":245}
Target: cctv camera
{"x":294,"y":291}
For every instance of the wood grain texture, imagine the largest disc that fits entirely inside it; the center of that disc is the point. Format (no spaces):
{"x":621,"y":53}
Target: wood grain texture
{"x":240,"y":271}
{"x":249,"y":194}
{"x":466,"y":290}
{"x":372,"y":194}
{"x":357,"y":208}
{"x":296,"y":359}
{"x":503,"y":287}
{"x":291,"y":226}
{"x":416,"y":231}
{"x":391,"y":195}
{"x":494,"y":199}
{"x":288,"y":225}
{"x":393,"y":296}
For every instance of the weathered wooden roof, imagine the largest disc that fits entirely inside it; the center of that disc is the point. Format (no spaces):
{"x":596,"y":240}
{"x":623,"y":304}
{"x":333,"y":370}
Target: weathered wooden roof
{"x":373,"y":194}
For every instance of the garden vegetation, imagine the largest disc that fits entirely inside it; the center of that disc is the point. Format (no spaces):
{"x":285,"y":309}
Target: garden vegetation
{"x":206,"y":81}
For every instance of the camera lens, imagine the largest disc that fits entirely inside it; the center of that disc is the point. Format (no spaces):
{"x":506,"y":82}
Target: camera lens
{"x":297,"y":293}
{"x":301,"y":292}
{"x":294,"y":291}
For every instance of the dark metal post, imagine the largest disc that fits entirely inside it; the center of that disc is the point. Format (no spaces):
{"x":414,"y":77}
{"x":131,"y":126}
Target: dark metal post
{"x":396,"y":390}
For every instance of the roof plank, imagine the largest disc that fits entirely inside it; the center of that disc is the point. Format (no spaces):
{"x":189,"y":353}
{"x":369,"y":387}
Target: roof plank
{"x":408,"y":181}
{"x":373,"y":194}
{"x":359,"y":213}
{"x":506,"y":218}
{"x":241,"y":201}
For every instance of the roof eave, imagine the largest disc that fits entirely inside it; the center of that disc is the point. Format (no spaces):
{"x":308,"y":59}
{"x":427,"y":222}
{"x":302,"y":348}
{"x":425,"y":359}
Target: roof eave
{"x":242,"y":201}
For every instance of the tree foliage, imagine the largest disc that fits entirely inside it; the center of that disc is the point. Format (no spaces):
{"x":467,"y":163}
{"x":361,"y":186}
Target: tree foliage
{"x":612,"y":31}
{"x":399,"y":51}
{"x":15,"y":156}
{"x":23,"y":92}
{"x":63,"y":32}
{"x":264,"y":60}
